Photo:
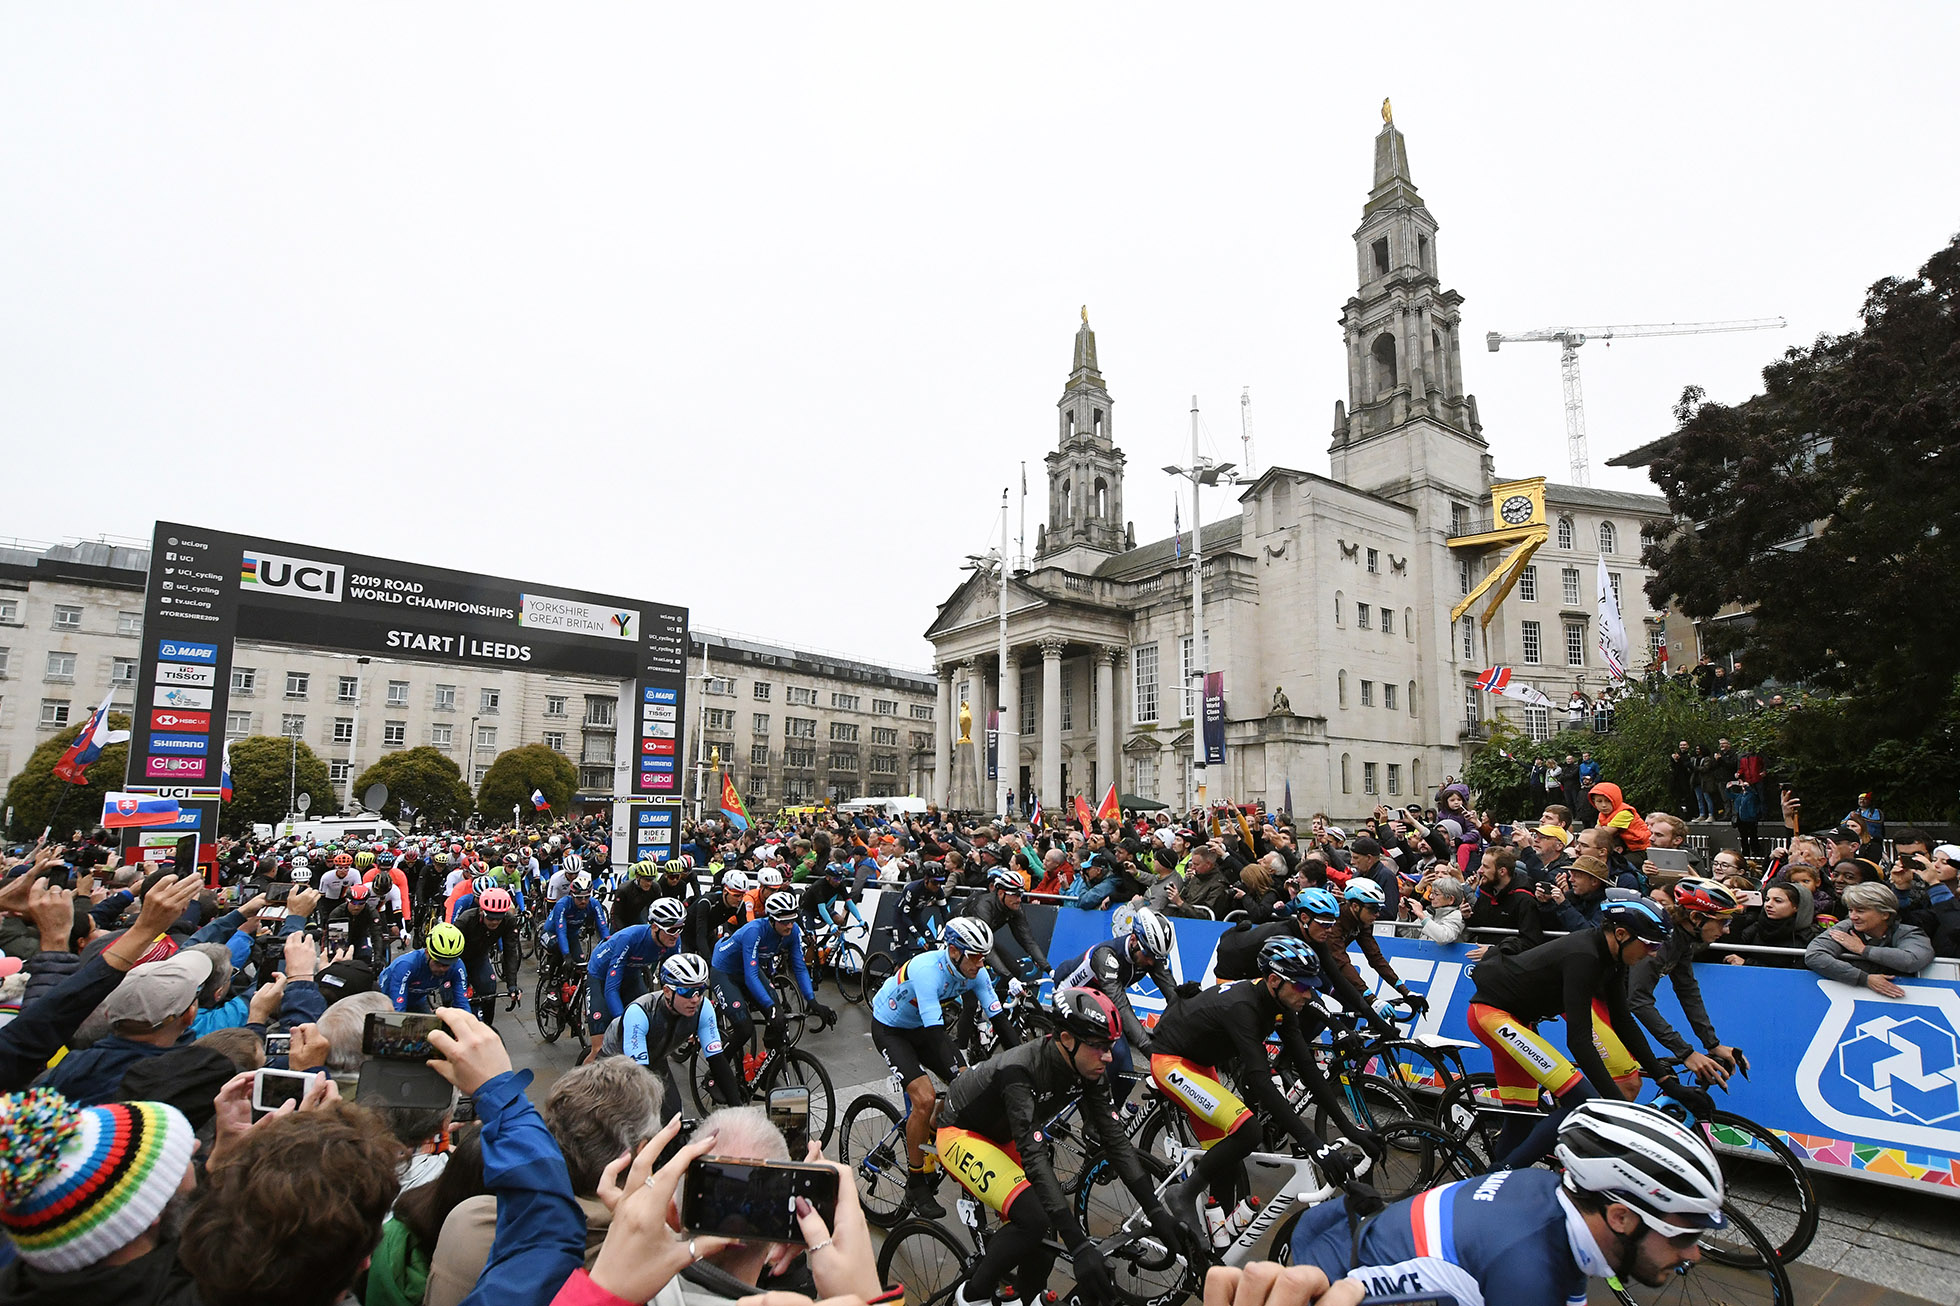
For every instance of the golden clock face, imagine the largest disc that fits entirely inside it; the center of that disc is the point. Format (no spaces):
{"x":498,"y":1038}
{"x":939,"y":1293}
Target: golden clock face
{"x":1516,"y":510}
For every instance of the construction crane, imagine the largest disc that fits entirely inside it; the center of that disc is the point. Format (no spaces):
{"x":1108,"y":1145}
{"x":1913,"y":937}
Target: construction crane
{"x":1570,"y":338}
{"x":1245,"y":430}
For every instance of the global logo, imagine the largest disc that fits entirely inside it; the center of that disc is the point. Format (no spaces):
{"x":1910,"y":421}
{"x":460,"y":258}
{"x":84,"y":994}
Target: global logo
{"x":1905,"y":1068}
{"x":1887,"y":1070}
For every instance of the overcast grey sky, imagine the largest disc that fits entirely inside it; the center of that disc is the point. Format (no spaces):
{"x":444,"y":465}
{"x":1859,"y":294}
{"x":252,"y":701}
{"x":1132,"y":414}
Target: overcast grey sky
{"x":756,"y":308}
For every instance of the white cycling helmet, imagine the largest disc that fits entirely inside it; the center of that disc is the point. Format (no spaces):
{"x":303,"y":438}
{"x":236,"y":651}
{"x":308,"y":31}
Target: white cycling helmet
{"x":683,"y":970}
{"x":771,"y":877}
{"x":1364,"y":892}
{"x":736,"y":882}
{"x":781,"y":906}
{"x":969,"y":934}
{"x":572,"y":864}
{"x":581,"y":883}
{"x":1645,"y":1159}
{"x":302,"y":873}
{"x":668,"y":913}
{"x":1152,"y":931}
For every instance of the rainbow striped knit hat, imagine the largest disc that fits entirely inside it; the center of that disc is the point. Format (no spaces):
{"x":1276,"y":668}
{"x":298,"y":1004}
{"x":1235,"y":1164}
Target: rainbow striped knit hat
{"x":78,"y":1185}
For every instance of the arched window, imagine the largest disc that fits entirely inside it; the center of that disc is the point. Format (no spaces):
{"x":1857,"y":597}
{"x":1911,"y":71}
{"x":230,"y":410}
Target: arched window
{"x":1068,"y":426}
{"x":1068,"y":504}
{"x":1412,"y":698}
{"x":1338,"y":617}
{"x":1409,"y":626}
{"x":1384,"y":351}
{"x":1415,"y":782}
{"x":1340,"y":687}
{"x":1347,"y":785}
{"x":1102,"y":499}
{"x":1608,"y":537}
{"x":1565,"y":532}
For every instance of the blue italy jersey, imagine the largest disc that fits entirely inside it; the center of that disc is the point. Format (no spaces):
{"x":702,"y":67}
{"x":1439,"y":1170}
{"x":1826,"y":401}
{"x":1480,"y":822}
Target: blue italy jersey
{"x":1510,"y":1238}
{"x":413,"y":979}
{"x":914,"y":996}
{"x":744,"y":952}
{"x":621,"y":956}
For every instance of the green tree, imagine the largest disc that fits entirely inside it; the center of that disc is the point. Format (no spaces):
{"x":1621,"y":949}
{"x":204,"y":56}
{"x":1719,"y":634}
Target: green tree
{"x":427,"y":778}
{"x":262,"y":772}
{"x":35,"y":793}
{"x":1499,"y":773}
{"x":515,"y":773}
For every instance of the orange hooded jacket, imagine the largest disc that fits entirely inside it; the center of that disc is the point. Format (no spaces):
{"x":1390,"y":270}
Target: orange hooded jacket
{"x":1620,"y":817}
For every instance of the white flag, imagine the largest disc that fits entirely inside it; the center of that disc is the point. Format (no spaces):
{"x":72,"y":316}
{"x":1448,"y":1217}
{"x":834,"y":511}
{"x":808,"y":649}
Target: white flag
{"x":1612,"y":631}
{"x":1525,"y":694}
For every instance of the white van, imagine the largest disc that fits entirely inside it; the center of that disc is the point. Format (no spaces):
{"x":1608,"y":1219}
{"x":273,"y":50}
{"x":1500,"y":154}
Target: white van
{"x":366,"y":827}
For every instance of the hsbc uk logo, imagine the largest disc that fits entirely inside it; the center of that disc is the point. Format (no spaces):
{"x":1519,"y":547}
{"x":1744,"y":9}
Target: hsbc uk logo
{"x":300,"y":578}
{"x":1906,"y":1068}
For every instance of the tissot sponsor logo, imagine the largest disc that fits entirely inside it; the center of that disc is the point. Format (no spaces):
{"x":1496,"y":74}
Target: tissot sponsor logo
{"x":300,"y":578}
{"x":171,"y":719}
{"x":184,"y":673}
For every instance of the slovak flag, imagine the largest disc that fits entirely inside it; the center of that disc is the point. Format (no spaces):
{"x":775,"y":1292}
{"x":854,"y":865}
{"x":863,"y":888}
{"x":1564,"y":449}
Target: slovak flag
{"x":95,"y":734}
{"x":123,"y":811}
{"x":224,"y":775}
{"x":537,"y":800}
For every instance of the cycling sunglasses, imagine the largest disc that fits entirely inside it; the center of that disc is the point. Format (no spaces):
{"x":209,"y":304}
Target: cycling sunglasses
{"x":694,"y":992}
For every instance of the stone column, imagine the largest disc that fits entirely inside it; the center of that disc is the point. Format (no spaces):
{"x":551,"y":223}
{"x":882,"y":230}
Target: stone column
{"x":1051,"y":721}
{"x":945,"y":731}
{"x":1108,"y":763}
{"x":1010,"y":726}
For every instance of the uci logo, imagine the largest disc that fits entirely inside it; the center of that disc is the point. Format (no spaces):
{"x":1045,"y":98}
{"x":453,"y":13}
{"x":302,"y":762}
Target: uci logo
{"x":298,"y":577}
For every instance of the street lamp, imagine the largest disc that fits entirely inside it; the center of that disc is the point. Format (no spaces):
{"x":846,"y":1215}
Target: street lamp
{"x":354,"y":740}
{"x":1202,"y":471}
{"x":1007,"y":745}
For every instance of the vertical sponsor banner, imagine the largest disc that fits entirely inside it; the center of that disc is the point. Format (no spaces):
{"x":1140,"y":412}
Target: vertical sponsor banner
{"x":652,"y":830}
{"x":1214,"y":718}
{"x":993,"y":746}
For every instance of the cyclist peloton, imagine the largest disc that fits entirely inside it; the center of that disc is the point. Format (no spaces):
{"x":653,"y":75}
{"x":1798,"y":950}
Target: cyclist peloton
{"x":431,"y":976}
{"x":739,"y":961}
{"x":572,"y":916}
{"x":1316,"y":922}
{"x":1582,"y":977}
{"x":1111,"y":967}
{"x":1227,"y":1028}
{"x":489,"y":926}
{"x":654,"y":1025}
{"x":993,"y":1143}
{"x":1638,"y":1193}
{"x":908,"y":1025}
{"x":617,"y":971}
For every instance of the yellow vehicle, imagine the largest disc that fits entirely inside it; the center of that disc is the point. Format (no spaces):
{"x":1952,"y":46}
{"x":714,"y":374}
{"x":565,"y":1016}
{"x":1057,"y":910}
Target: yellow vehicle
{"x":791,"y":815}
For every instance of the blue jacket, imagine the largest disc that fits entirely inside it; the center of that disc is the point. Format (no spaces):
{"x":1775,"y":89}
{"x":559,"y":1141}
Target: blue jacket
{"x":540,"y":1236}
{"x":95,"y":1074}
{"x":632,"y":948}
{"x":564,"y":916}
{"x":739,"y":954}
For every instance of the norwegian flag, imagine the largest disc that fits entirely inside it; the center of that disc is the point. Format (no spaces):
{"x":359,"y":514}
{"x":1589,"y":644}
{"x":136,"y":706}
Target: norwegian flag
{"x":1497,"y":680}
{"x":1494,"y":679}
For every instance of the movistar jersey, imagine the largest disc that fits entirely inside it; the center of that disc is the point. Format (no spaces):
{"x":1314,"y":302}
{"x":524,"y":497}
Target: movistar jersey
{"x":1512,"y":1238}
{"x":913,"y":997}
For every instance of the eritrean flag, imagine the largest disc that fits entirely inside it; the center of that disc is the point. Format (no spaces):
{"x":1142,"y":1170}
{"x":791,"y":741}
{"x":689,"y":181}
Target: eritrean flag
{"x":731,"y":803}
{"x":1082,"y":814}
{"x":126,"y":811}
{"x":537,"y":800}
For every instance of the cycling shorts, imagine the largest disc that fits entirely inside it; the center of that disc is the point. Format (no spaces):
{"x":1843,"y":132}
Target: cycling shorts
{"x":1523,"y":1060}
{"x":984,"y":1168}
{"x":911,"y":1052}
{"x":1214,"y":1110}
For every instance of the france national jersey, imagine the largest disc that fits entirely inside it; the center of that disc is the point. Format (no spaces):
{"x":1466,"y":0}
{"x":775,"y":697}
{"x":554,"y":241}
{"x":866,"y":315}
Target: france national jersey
{"x":1511,"y":1237}
{"x":913,"y":997}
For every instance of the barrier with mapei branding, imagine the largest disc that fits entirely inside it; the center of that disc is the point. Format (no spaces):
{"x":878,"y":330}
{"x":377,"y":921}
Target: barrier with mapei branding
{"x":1857,"y":1084}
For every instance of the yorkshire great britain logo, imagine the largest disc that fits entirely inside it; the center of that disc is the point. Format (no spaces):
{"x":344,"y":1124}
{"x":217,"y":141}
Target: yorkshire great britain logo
{"x":1887,"y":1070}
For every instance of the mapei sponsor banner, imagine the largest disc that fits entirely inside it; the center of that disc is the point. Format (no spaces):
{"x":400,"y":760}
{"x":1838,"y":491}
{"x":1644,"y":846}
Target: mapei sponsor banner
{"x":571,"y":617}
{"x":174,"y":768}
{"x":652,"y":695}
{"x":176,"y":650}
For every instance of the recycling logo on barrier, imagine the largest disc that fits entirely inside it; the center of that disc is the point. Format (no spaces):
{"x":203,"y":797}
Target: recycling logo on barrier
{"x":1906,"y":1068}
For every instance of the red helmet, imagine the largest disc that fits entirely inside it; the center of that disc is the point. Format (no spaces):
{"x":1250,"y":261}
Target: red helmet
{"x":1086,"y":1013}
{"x":1709,"y":897}
{"x":343,"y":859}
{"x":359,"y":892}
{"x":495,"y":902}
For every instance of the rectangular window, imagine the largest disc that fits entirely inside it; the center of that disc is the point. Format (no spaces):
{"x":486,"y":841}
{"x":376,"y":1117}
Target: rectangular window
{"x":844,"y":702}
{"x":486,"y":736}
{"x":67,"y":617}
{"x":600,"y":712}
{"x":760,"y":724}
{"x":800,"y":697}
{"x":1374,"y":562}
{"x":720,"y":719}
{"x":843,"y":732}
{"x":761,"y":690}
{"x":885,"y":737}
{"x":1388,"y":621}
{"x":348,"y":689}
{"x":1068,"y":696}
{"x":292,"y":725}
{"x":1473,"y":705}
{"x":1463,"y":575}
{"x":1394,"y":777}
{"x":1653,"y":644}
{"x":1469,"y":629}
{"x":398,"y":693}
{"x":1363,"y":616}
{"x":9,"y":612}
{"x":481,"y":771}
{"x":1533,"y":653}
{"x":922,"y":711}
{"x":844,"y":759}
{"x":129,"y":623}
{"x":1575,"y":643}
{"x":802,"y":759}
{"x":122,"y":671}
{"x":758,"y":755}
{"x":885,"y":706}
{"x":555,"y":740}
{"x":1144,"y":659}
{"x":920,"y":740}
{"x":798,"y":727}
{"x":445,"y":698}
{"x":884,"y":764}
{"x":6,"y":659}
{"x":720,"y":686}
{"x":343,"y":730}
{"x":444,"y":735}
{"x":1528,"y":584}
{"x":61,"y":666}
{"x":554,"y":704}
{"x":244,"y":680}
{"x":595,"y":777}
{"x":1569,"y":581}
{"x":1368,"y":777}
{"x":1613,"y":580}
{"x":1144,"y":772}
{"x":54,"y":711}
{"x":339,"y":771}
{"x":1193,"y":689}
{"x":297,"y":684}
{"x":489,"y":700}
{"x":599,"y":749}
{"x":1367,"y":693}
{"x":1388,"y":695}
{"x":1459,"y":519}
{"x":394,"y":734}
{"x":796,"y":790}
{"x":1538,"y":723}
{"x":238,"y":723}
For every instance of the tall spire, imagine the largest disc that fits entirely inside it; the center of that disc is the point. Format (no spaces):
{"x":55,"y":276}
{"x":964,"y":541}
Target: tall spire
{"x":1084,"y":373}
{"x":1393,"y":184}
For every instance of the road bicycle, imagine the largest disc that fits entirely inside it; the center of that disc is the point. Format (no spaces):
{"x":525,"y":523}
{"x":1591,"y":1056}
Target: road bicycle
{"x":560,"y":1001}
{"x":761,"y":1071}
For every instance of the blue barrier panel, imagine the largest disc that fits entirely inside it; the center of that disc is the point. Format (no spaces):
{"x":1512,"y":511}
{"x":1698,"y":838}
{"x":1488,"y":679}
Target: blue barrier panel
{"x":1855,"y":1083}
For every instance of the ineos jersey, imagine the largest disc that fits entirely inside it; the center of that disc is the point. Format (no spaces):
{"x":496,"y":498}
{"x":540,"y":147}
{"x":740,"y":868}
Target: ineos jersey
{"x":1511,"y":1237}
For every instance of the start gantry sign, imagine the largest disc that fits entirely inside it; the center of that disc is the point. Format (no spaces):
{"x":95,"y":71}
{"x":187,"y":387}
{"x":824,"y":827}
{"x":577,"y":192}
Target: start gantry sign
{"x":209,"y":588}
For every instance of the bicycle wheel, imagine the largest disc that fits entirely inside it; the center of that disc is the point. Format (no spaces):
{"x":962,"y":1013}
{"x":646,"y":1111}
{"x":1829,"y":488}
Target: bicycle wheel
{"x":1422,"y":1074}
{"x":789,"y":1001}
{"x":1143,"y":1269}
{"x":1372,"y":1103}
{"x":1418,"y":1156}
{"x":1461,"y":1113}
{"x":550,"y":1016}
{"x":1746,"y":1271}
{"x":872,"y":1147}
{"x":850,"y":972}
{"x":927,"y":1259}
{"x":1764,"y":1178}
{"x":793,"y":1068}
{"x":878,"y":967}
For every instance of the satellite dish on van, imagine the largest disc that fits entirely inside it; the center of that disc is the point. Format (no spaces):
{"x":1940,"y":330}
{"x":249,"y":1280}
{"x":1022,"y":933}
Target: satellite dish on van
{"x":376,"y":794}
{"x":303,"y":802}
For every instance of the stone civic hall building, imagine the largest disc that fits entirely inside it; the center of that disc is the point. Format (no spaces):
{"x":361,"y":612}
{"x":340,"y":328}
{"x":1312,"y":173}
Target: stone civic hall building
{"x":1327,"y":599}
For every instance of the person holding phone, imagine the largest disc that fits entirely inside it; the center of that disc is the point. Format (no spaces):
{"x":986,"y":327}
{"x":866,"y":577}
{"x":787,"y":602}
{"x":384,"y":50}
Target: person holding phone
{"x":992,"y":1142}
{"x":655,"y":1024}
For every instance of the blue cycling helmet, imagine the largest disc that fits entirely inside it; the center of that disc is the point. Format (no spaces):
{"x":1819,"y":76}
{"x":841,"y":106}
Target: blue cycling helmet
{"x":1317,"y":902}
{"x":1291,"y":960}
{"x":836,"y":871}
{"x":1638,"y":917}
